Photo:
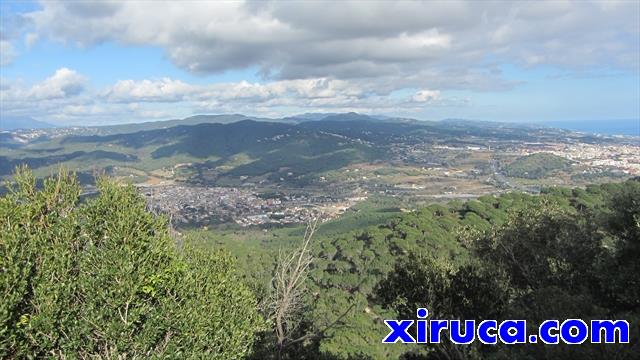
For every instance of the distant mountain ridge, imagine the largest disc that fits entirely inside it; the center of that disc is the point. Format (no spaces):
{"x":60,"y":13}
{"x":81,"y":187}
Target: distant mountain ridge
{"x":11,"y":123}
{"x":232,"y":118}
{"x":163,"y":124}
{"x":232,"y":149}
{"x":350,"y":118}
{"x":19,"y":122}
{"x":224,"y":152}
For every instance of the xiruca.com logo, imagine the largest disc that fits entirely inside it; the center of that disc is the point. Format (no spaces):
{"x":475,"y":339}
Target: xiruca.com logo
{"x":569,"y":331}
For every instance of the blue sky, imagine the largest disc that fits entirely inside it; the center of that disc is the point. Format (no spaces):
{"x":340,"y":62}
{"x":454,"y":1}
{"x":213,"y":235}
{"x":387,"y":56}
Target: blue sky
{"x":112,"y":62}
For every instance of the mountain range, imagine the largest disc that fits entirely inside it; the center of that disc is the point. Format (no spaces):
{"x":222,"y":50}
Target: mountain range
{"x":8,"y":123}
{"x":233,"y":149}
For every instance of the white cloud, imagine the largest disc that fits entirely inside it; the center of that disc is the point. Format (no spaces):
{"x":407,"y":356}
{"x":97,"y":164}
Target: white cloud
{"x":83,"y":110}
{"x":163,"y":90}
{"x":321,"y":56}
{"x":66,"y":97}
{"x":62,"y":92}
{"x":170,"y":90}
{"x":296,"y":40}
{"x":426,"y":96}
{"x":63,"y":83}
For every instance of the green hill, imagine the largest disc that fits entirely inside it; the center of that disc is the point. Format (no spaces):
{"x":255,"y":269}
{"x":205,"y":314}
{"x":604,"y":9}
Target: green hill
{"x":536,"y":166}
{"x":244,"y":148}
{"x":14,"y":123}
{"x":564,"y":226}
{"x":222,"y":149}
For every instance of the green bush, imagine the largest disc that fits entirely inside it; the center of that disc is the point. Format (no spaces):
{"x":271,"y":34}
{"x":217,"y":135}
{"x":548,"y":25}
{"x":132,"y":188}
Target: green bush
{"x":103,"y":278}
{"x":563,"y":255}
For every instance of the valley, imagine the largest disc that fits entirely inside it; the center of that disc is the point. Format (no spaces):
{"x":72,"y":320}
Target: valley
{"x":253,"y":172}
{"x":271,"y":172}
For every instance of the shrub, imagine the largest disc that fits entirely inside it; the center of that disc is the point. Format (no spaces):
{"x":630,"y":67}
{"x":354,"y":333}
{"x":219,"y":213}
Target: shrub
{"x":103,"y":278}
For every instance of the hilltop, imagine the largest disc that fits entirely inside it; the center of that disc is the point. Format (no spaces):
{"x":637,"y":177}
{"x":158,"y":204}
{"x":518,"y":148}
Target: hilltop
{"x":22,"y":122}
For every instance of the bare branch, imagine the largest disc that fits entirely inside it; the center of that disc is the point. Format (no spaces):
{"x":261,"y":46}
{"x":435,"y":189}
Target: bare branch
{"x":288,"y":287}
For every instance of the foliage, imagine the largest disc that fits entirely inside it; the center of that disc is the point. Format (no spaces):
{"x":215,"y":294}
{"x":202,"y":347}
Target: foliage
{"x":472,"y":291}
{"x":510,"y":256}
{"x":546,"y":261}
{"x":103,"y":278}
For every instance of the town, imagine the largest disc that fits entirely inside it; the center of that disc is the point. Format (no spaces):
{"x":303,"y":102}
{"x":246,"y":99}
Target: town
{"x":196,"y":205}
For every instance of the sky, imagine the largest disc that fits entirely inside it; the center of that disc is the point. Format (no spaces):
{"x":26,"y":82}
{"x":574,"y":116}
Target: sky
{"x":99,"y":63}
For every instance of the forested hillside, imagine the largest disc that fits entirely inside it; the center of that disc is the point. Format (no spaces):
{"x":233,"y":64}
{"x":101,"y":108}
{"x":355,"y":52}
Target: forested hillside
{"x":104,"y":277}
{"x":244,"y":148}
{"x":568,"y":253}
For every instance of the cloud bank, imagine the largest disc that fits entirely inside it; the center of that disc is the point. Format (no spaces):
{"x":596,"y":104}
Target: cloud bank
{"x":348,"y":55}
{"x":356,"y":39}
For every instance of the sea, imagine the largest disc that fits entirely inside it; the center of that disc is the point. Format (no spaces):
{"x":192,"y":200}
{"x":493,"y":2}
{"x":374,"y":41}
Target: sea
{"x":604,"y":127}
